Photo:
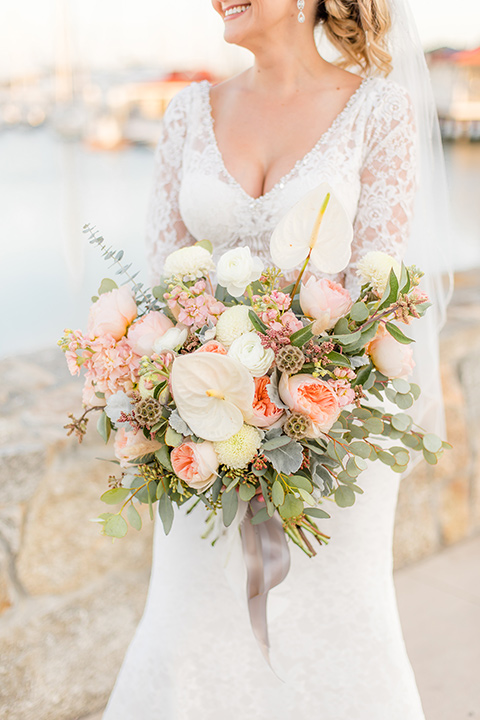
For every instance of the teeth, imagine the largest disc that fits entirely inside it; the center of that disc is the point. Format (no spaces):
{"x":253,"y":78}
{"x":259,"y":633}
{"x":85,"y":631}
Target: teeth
{"x":236,"y":10}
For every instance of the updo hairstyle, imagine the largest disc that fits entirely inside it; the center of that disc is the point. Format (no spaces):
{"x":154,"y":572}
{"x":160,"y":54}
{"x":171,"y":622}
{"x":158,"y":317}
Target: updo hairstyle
{"x":358,"y":30}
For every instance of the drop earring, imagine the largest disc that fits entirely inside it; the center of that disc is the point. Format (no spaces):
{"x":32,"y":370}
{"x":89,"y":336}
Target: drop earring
{"x":300,"y":6}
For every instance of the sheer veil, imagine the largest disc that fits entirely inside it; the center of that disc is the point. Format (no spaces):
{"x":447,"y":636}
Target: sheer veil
{"x":431,"y":234}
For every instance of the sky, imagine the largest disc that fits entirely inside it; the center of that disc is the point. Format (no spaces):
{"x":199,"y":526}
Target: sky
{"x":109,"y":33}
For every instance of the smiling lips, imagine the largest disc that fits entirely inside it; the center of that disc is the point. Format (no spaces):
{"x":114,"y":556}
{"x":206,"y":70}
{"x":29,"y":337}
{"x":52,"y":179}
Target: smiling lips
{"x":235,"y":10}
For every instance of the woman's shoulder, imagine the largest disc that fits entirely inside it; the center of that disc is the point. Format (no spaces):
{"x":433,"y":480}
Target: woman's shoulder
{"x":388,"y":96}
{"x":185,"y":102}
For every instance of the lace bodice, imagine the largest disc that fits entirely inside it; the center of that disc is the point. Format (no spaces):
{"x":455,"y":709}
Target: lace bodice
{"x":367,"y":156}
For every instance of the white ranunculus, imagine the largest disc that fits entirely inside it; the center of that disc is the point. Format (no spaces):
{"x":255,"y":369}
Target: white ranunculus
{"x":316,"y":227}
{"x":249,"y":351}
{"x":236,"y":269}
{"x":374,"y":268}
{"x":189,"y":263}
{"x":172,"y":339}
{"x":213,"y":394}
{"x":232,"y":323}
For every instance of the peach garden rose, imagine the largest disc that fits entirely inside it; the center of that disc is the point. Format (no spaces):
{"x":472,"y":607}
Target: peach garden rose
{"x":195,"y":463}
{"x":265,"y":413}
{"x":311,"y":397}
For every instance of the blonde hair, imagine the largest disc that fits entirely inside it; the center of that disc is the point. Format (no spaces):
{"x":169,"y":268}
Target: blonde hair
{"x":358,"y":29}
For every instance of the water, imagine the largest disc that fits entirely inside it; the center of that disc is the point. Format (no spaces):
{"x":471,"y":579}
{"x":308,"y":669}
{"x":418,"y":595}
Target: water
{"x":49,"y":189}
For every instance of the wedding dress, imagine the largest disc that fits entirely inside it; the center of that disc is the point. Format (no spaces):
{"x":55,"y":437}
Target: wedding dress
{"x":336,"y":639}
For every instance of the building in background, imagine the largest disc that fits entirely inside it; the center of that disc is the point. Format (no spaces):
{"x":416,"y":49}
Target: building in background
{"x":456,"y":84}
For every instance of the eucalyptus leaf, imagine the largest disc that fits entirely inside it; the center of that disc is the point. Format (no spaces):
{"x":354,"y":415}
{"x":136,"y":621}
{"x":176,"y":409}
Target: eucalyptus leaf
{"x":260,"y":517}
{"x":430,"y":457}
{"x":275,"y":443}
{"x":229,"y":507}
{"x":134,"y":517}
{"x":104,"y":426}
{"x":246,"y":492}
{"x":173,"y":438}
{"x":432,"y":443}
{"x":344,"y":496}
{"x":292,"y":507}
{"x":115,"y":526}
{"x":359,"y":312}
{"x":374,"y":425}
{"x":107,"y":285}
{"x":401,"y":385}
{"x":115,"y":495}
{"x":166,"y":512}
{"x":278,"y":493}
{"x":205,"y":244}
{"x":299,"y":481}
{"x":404,"y":401}
{"x":163,"y":457}
{"x":316,"y":512}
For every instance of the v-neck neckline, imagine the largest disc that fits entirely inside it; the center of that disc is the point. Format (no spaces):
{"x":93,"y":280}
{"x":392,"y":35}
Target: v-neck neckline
{"x":284,"y":179}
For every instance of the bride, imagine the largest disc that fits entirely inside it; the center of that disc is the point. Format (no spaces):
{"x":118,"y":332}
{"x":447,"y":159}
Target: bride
{"x":231,"y":161}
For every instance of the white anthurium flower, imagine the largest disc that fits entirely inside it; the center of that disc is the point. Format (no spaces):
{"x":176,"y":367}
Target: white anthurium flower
{"x":172,"y":339}
{"x":249,"y":351}
{"x":309,"y":227}
{"x":213,"y":394}
{"x":236,"y":269}
{"x":190,"y":263}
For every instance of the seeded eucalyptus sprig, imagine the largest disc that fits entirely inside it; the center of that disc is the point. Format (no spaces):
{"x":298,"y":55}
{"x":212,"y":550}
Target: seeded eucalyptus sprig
{"x":144,"y":298}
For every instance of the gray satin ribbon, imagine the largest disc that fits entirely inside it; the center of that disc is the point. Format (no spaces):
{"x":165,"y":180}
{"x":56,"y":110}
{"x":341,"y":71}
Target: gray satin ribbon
{"x":267,"y":559}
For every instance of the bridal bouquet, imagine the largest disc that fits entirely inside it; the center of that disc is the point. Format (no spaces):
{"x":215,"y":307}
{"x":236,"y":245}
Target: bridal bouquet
{"x":257,"y":399}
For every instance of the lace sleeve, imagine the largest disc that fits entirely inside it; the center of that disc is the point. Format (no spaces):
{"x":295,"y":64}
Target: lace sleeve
{"x":388,"y":181}
{"x":165,"y":228}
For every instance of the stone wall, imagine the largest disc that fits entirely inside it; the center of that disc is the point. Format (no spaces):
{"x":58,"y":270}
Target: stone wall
{"x":70,"y":599}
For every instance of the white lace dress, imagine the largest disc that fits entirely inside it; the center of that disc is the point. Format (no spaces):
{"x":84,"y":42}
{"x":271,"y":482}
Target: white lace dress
{"x":333,"y":623}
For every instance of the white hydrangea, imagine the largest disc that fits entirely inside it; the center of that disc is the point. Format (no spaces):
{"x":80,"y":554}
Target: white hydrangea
{"x":189,"y":263}
{"x":249,"y":351}
{"x":240,"y":449}
{"x":232,"y":323}
{"x":374,"y":268}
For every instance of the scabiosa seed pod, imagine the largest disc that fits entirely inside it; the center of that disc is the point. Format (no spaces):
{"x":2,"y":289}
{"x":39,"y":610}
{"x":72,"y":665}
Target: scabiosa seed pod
{"x":148,"y":411}
{"x":296,"y":426}
{"x":290,"y":359}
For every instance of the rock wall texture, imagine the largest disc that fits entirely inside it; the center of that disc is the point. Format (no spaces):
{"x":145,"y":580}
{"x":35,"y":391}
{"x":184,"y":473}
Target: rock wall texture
{"x":70,"y":598}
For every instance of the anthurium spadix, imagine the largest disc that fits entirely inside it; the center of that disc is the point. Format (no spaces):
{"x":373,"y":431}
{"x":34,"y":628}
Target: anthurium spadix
{"x":316,"y":226}
{"x":213,"y":394}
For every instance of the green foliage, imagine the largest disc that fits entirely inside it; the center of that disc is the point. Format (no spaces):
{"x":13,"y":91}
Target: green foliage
{"x":134,"y":517}
{"x":115,"y":526}
{"x":166,"y":512}
{"x":107,"y":285}
{"x":229,"y":507}
{"x":115,"y":495}
{"x":257,"y":322}
{"x":302,"y":337}
{"x":104,"y":427}
{"x":344,"y":496}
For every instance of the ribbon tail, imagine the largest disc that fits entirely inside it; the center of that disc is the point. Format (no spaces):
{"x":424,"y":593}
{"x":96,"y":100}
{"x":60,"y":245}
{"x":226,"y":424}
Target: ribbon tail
{"x":267,"y":559}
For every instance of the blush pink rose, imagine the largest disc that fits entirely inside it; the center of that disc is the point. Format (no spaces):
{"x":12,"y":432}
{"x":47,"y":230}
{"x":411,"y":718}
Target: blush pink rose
{"x":195,"y":463}
{"x":265,"y":413}
{"x":393,"y":359}
{"x":143,"y":333}
{"x":325,"y":301}
{"x":312,"y":397}
{"x":212,"y":346}
{"x":112,"y":313}
{"x":131,"y":444}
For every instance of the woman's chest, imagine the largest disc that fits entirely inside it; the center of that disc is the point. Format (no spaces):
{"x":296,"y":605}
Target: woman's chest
{"x":214,"y":205}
